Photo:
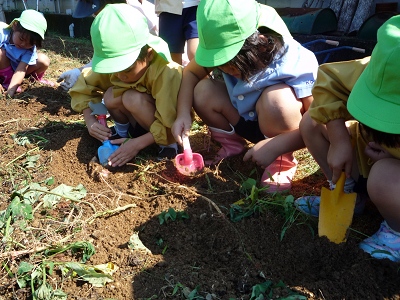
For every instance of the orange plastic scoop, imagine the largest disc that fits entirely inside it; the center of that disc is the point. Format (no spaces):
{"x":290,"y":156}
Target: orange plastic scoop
{"x":188,"y":163}
{"x":336,"y":212}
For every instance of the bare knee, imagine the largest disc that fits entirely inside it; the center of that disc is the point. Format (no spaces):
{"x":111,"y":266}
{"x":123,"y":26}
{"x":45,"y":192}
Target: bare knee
{"x":109,"y":99}
{"x":135,"y":101}
{"x":310,"y":128}
{"x":43,"y":60}
{"x":383,"y":179}
{"x":209,"y":93}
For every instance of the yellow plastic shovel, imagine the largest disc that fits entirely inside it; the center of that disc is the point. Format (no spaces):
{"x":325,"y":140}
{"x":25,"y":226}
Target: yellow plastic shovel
{"x":336,"y":212}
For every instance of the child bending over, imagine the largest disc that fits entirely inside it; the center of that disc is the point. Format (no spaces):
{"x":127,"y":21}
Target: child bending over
{"x":267,"y":84}
{"x":18,"y":55}
{"x":134,"y":75}
{"x":353,"y":125}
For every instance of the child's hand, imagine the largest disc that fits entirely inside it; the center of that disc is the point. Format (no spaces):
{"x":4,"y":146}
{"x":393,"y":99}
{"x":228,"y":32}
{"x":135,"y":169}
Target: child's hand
{"x":99,"y":131}
{"x":340,"y":158}
{"x":181,"y":127}
{"x":263,"y":153}
{"x":128,"y":150}
{"x":376,"y":151}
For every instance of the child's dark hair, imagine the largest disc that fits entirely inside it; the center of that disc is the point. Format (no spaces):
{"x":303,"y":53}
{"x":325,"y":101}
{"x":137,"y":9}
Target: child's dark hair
{"x":257,"y":53}
{"x":388,"y":139}
{"x":34,"y":38}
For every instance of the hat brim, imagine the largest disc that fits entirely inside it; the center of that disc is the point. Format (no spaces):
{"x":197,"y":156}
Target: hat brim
{"x":217,"y":57}
{"x":372,"y":110}
{"x":84,"y":9}
{"x":29,"y":27}
{"x":114,"y":64}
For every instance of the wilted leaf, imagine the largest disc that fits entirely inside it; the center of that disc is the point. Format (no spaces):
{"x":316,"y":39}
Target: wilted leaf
{"x":90,"y":274}
{"x":136,"y":244}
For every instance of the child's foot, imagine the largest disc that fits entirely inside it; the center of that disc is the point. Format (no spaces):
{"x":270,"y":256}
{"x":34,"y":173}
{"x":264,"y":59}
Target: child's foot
{"x":46,"y":82}
{"x":39,"y":78}
{"x":310,"y":205}
{"x":278,"y":175}
{"x":385,"y":243}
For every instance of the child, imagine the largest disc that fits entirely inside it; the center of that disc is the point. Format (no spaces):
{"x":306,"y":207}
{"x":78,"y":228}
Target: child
{"x":268,"y":78}
{"x":18,"y":56}
{"x":87,"y":8}
{"x":134,"y":74}
{"x":178,"y":26}
{"x":370,"y":146}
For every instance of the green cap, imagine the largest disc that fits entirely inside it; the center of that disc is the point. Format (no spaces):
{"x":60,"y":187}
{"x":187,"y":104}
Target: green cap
{"x":223,"y":26}
{"x":375,"y":98}
{"x":32,"y":20}
{"x":118,"y":34}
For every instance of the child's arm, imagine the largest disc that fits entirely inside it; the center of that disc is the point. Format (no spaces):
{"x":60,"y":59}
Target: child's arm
{"x":266,"y":151}
{"x":340,"y":152}
{"x":17,"y":78}
{"x":331,"y":91}
{"x":192,"y":74}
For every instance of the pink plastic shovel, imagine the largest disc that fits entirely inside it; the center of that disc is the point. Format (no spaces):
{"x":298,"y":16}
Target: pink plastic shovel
{"x":188,"y":163}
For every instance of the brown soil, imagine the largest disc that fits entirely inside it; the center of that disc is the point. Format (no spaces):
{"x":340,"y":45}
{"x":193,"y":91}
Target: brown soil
{"x":207,"y":251}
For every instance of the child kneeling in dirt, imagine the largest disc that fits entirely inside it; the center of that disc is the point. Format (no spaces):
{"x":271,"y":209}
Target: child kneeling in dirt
{"x":18,"y":55}
{"x":136,"y":78}
{"x":268,"y":77}
{"x":368,"y":91}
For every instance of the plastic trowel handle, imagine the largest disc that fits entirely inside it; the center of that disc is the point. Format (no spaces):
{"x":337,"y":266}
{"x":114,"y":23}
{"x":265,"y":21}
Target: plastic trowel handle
{"x":187,"y":151}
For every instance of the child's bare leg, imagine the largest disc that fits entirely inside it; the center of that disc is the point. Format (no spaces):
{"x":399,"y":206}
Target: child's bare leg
{"x":279,"y":115}
{"x":213,"y":106}
{"x":315,"y":136}
{"x":4,"y":60}
{"x":42,"y":64}
{"x":177,"y":57}
{"x":192,"y":47}
{"x":141,"y":107}
{"x":278,"y":110}
{"x":115,"y":107}
{"x":384,"y":190}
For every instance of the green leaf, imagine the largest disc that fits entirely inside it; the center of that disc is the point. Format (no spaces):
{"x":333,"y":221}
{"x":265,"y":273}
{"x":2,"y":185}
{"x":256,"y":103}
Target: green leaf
{"x":44,"y":292}
{"x":49,"y":181}
{"x":247,"y":185}
{"x":87,"y":248}
{"x":161,"y":217}
{"x":63,"y":190}
{"x":90,"y":274}
{"x":59,"y":295}
{"x":31,"y":161}
{"x":136,"y":244}
{"x":32,"y":192}
{"x":19,"y":209}
{"x":24,"y":267}
{"x":260,"y":290}
{"x":172,"y":213}
{"x":23,"y":274}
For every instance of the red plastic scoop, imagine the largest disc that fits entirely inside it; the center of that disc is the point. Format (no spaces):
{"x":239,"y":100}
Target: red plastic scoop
{"x":188,"y":163}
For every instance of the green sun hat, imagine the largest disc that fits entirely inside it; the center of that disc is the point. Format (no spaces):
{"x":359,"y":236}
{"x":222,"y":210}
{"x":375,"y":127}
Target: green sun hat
{"x":33,"y":20}
{"x":223,"y":27}
{"x":118,"y":34}
{"x":375,"y":98}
